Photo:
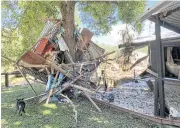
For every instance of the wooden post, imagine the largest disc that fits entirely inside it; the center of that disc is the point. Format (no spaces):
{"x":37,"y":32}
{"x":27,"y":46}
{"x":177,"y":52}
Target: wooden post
{"x":160,"y":82}
{"x":156,"y":99}
{"x":92,"y":101}
{"x":51,"y":90}
{"x":6,"y":80}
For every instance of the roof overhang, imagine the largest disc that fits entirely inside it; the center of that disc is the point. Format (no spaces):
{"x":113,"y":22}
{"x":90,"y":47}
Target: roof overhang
{"x":168,"y":12}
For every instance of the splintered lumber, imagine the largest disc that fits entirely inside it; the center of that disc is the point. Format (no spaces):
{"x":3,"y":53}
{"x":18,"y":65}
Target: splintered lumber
{"x":36,"y":81}
{"x":151,"y":72}
{"x":92,"y":102}
{"x":65,"y":86}
{"x":68,"y":84}
{"x":49,"y":96}
{"x":51,"y":90}
{"x":138,"y":61}
{"x":104,"y":55}
{"x":33,"y":65}
{"x":58,"y":68}
{"x":135,"y":45}
{"x":82,"y":88}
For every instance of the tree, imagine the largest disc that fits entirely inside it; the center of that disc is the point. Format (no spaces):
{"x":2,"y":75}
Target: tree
{"x":97,"y":16}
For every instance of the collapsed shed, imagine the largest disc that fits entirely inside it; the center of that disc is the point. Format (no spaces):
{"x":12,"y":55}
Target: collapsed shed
{"x":49,"y":60}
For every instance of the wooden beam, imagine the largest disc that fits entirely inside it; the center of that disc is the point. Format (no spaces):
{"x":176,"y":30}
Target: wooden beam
{"x":92,"y":102}
{"x":136,"y":45}
{"x":138,"y":61}
{"x":151,"y":72}
{"x":159,"y":59}
{"x":166,"y":24}
{"x":82,"y":88}
{"x":51,"y":90}
{"x":11,"y":73}
{"x":6,"y":80}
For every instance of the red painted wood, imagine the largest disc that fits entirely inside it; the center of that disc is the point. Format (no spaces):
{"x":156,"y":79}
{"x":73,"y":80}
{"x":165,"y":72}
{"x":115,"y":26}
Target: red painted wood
{"x":41,"y":46}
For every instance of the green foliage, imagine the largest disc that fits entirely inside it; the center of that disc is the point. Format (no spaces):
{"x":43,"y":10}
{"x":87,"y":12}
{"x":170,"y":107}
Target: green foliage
{"x":25,"y":20}
{"x":31,"y":24}
{"x":20,"y":38}
{"x":102,"y":15}
{"x":130,"y":12}
{"x":11,"y":47}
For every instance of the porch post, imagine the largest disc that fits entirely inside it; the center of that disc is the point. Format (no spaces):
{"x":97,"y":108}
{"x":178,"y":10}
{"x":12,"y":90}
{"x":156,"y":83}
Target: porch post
{"x":159,"y":82}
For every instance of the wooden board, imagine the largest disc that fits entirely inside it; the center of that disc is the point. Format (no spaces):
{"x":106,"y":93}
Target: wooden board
{"x":31,"y":57}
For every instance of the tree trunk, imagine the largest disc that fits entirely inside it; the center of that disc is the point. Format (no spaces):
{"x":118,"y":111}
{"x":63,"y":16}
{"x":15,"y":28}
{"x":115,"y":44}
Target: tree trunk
{"x":67,"y":12}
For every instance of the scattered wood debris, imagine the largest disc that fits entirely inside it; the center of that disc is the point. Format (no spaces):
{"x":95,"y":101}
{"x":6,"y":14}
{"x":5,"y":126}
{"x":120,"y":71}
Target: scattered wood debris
{"x":50,"y":61}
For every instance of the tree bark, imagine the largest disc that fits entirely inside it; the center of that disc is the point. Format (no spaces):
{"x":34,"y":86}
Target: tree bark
{"x":67,"y":12}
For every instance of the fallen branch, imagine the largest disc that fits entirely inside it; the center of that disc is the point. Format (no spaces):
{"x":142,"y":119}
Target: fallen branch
{"x":74,"y":107}
{"x":138,"y":61}
{"x":104,"y":55}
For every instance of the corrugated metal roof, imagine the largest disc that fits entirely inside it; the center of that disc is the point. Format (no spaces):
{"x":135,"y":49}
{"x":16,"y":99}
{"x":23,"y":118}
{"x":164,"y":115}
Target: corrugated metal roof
{"x":173,"y":19}
{"x":172,"y":5}
{"x":169,"y":13}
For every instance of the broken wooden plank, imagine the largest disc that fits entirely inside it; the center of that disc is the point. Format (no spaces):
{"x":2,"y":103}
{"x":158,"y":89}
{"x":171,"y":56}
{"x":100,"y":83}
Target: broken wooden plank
{"x":138,"y":61}
{"x":92,"y":102}
{"x":49,"y":96}
{"x":135,"y":45}
{"x":51,"y":90}
{"x":82,"y":88}
{"x":152,"y":72}
{"x":59,"y":68}
{"x":33,"y":65}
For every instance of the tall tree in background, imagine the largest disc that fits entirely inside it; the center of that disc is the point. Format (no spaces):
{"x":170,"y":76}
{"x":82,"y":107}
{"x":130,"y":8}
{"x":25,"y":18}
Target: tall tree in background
{"x":96,"y":16}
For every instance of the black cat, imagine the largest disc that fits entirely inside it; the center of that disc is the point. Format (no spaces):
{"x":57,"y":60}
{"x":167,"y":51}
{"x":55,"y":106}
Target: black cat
{"x":20,"y":106}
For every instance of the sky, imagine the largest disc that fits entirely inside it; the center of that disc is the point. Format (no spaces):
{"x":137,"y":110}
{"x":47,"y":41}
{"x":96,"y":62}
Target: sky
{"x":113,"y":38}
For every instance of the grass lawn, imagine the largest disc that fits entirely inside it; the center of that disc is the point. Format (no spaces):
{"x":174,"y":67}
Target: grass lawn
{"x":60,"y":115}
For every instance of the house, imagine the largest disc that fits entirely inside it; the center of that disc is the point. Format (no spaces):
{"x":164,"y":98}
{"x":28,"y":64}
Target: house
{"x":164,"y":54}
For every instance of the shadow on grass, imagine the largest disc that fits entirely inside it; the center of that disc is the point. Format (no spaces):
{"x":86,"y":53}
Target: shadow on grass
{"x":60,"y":115}
{"x":99,"y":120}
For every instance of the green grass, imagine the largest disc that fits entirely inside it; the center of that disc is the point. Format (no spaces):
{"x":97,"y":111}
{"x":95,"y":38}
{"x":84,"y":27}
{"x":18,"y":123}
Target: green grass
{"x":12,"y":79}
{"x":60,"y":115}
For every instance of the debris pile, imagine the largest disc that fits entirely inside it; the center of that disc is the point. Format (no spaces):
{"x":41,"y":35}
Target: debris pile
{"x":50,"y":61}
